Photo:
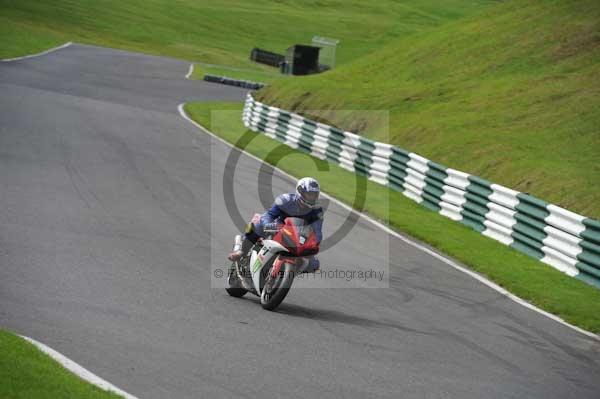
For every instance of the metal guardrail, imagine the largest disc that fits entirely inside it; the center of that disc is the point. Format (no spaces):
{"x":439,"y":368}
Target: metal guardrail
{"x":246,"y":84}
{"x":556,"y":236}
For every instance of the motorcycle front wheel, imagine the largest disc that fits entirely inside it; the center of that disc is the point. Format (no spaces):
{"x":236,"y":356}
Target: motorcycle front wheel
{"x":276,"y":288}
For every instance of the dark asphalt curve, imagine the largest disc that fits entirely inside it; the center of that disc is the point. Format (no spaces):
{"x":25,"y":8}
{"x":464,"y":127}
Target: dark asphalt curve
{"x":112,"y":219}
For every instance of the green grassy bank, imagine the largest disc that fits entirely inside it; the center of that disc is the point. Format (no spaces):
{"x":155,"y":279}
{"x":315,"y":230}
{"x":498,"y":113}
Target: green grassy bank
{"x":219,"y":32}
{"x":511,"y":95}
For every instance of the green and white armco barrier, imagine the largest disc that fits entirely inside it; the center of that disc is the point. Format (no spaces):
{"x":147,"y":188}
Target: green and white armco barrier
{"x":563,"y":239}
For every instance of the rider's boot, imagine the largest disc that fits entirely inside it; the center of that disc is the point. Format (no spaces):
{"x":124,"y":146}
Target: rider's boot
{"x":250,"y":238}
{"x":245,"y":247}
{"x":234,"y":256}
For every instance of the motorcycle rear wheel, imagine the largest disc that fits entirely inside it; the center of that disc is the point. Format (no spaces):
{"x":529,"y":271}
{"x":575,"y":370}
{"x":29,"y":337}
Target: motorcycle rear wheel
{"x":236,"y":292}
{"x":234,"y":288}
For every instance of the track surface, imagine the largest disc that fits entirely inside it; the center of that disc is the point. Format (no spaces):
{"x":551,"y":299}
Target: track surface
{"x":110,"y":207}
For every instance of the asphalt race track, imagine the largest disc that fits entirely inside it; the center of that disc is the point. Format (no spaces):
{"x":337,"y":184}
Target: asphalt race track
{"x":112,"y":222}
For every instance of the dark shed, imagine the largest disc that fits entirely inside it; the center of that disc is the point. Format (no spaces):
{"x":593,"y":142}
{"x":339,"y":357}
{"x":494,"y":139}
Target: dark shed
{"x":302,"y":59}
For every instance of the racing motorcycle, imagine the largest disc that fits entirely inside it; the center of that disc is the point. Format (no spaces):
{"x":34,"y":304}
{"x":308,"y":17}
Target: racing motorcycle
{"x":271,"y":265}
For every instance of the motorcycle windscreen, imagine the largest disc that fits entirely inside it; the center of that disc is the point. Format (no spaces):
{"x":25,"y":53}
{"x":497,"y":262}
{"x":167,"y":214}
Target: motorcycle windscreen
{"x":298,"y":237}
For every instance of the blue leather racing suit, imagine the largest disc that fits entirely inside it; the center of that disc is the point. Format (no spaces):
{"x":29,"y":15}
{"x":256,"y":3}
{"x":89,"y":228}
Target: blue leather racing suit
{"x":288,"y":205}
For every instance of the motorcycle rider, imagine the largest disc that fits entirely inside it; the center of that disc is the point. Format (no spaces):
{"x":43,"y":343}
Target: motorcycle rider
{"x":302,"y":204}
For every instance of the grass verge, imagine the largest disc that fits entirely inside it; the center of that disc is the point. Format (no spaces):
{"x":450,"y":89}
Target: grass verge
{"x":23,"y":38}
{"x":28,"y":373}
{"x":547,"y":288}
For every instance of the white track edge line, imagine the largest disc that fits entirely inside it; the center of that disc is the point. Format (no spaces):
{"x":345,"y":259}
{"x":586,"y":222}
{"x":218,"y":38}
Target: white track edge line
{"x":38,"y":54}
{"x":414,"y":244}
{"x":78,"y":370}
{"x":190,"y":71}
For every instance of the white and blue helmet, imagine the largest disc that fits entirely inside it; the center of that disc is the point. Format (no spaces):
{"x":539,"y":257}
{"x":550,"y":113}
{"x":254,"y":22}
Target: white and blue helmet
{"x":308,"y":191}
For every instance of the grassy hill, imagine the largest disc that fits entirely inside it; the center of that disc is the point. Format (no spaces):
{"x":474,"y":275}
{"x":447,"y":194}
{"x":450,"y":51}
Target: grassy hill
{"x":219,"y":31}
{"x":511,"y":94}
